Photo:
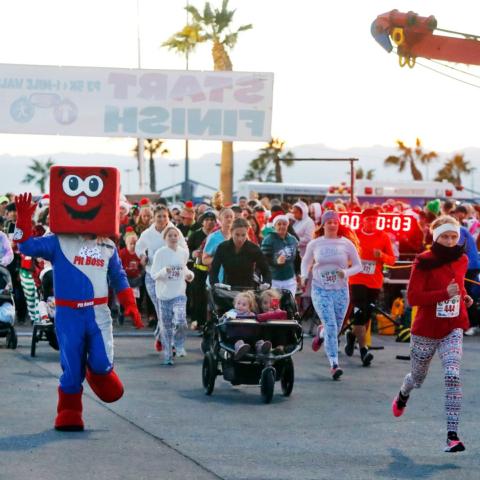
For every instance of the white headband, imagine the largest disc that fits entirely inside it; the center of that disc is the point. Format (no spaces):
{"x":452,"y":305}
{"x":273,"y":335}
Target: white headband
{"x":446,"y":227}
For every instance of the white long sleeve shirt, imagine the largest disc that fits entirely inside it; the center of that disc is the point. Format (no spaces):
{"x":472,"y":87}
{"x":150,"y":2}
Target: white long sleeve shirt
{"x":169,"y":270}
{"x":329,"y":255}
{"x":151,"y":240}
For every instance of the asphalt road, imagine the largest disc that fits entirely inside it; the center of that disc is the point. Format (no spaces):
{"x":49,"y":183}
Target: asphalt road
{"x":165,"y":427}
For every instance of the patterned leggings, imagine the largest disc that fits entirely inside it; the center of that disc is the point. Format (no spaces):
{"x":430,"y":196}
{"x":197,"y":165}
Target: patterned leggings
{"x":174,"y":323}
{"x":31,"y":294}
{"x":331,"y":307}
{"x":450,"y":352}
{"x":150,"y":287}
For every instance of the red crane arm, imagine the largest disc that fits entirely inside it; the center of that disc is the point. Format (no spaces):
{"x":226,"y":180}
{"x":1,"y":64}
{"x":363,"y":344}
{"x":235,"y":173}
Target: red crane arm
{"x":415,"y":38}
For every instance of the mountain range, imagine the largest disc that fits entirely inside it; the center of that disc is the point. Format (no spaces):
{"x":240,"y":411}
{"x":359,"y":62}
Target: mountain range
{"x":204,"y":169}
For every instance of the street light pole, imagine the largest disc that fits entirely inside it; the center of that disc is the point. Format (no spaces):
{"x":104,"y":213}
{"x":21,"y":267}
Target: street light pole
{"x":128,"y":171}
{"x":173,"y":165}
{"x":140,"y":140}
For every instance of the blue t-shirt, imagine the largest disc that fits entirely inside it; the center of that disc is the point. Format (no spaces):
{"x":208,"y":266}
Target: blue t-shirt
{"x":470,"y":248}
{"x":211,"y":245}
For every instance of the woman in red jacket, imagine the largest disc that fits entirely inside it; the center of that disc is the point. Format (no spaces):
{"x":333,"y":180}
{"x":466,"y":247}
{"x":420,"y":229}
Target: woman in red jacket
{"x":436,"y":288}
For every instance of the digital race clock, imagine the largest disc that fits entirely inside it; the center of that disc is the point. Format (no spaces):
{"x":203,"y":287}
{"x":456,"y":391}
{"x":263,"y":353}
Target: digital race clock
{"x":388,"y":222}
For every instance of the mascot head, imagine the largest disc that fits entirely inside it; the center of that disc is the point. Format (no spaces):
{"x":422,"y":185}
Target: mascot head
{"x":84,"y":200}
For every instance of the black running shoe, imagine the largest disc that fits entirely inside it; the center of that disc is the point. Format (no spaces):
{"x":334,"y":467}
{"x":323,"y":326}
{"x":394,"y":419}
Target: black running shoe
{"x":454,"y":446}
{"x":367,"y":359}
{"x":350,"y":343}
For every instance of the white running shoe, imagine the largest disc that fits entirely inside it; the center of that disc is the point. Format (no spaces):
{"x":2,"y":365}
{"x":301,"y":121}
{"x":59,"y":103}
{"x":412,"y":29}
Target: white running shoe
{"x":472,"y":331}
{"x":181,"y":352}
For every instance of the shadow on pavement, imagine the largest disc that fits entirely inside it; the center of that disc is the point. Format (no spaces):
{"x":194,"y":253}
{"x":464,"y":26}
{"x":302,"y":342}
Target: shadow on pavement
{"x":231,"y":396}
{"x":404,"y":467}
{"x":31,"y":441}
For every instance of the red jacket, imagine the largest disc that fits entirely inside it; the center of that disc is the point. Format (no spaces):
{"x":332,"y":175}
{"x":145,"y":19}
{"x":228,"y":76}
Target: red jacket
{"x":427,"y":288}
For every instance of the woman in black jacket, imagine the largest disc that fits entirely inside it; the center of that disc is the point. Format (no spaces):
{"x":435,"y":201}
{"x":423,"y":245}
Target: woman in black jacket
{"x":239,"y":258}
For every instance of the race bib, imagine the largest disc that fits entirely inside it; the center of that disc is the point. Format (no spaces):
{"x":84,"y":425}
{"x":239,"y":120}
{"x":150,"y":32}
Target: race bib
{"x":136,"y":292}
{"x":174,"y":272}
{"x":449,"y":308}
{"x":328,"y":278}
{"x":368,"y":267}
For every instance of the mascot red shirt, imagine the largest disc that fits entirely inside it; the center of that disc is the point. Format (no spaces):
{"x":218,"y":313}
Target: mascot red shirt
{"x":83,"y":214}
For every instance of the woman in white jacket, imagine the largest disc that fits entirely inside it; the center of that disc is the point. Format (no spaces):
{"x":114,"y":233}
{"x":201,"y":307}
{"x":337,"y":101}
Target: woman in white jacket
{"x":169,"y":270}
{"x":149,"y":242}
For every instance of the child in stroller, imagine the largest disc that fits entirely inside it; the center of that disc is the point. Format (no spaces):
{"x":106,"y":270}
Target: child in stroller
{"x":7,"y":309}
{"x":252,"y":367}
{"x":244,"y":306}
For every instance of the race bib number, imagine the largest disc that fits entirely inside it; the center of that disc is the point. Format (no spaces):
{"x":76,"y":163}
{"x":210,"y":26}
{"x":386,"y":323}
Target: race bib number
{"x":174,"y":272}
{"x":449,"y":308}
{"x":368,"y":267}
{"x":328,"y":278}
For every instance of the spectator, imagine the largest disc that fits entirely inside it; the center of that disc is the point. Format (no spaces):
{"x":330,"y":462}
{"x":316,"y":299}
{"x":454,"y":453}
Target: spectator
{"x":133,"y":266}
{"x":187,"y":219}
{"x":6,"y":252}
{"x":280,"y":250}
{"x":303,"y":226}
{"x":4,"y":201}
{"x":217,"y":237}
{"x":196,"y":243}
{"x":144,"y":219}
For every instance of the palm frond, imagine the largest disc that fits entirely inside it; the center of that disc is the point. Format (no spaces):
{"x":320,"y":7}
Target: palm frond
{"x":194,"y":13}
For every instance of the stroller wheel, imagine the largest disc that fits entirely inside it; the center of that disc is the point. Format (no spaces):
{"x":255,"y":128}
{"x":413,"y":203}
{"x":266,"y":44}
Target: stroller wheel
{"x":267,"y":384}
{"x":288,"y":377}
{"x":33,"y":347}
{"x":12,"y":339}
{"x":209,"y":373}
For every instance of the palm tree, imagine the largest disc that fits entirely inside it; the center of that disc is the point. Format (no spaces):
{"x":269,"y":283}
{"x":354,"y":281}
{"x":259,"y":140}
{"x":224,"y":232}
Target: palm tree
{"x":151,"y":146}
{"x":411,"y":157}
{"x":267,"y":167}
{"x":453,"y":169}
{"x":361,"y":174}
{"x":39,"y":173}
{"x":214,"y":26}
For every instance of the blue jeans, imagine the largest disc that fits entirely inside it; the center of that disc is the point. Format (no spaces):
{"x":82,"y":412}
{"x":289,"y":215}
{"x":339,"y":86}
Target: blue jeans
{"x":331,"y":307}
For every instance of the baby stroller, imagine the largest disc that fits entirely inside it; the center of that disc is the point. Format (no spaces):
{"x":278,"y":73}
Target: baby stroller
{"x":7,"y":309}
{"x":44,"y":330}
{"x":254,"y":368}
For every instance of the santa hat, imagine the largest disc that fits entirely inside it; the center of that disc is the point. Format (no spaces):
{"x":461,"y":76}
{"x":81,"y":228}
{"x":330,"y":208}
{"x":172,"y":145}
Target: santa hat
{"x":275,"y":214}
{"x":188,"y":210}
{"x":144,"y":202}
{"x":44,"y":201}
{"x":130,"y":232}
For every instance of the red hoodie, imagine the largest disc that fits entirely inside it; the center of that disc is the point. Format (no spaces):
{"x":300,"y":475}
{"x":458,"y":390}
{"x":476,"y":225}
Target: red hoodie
{"x":428,"y":288}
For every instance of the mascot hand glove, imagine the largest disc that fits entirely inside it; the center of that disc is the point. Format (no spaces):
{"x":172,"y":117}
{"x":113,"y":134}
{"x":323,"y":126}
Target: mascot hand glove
{"x":25,"y":210}
{"x":127,"y":301}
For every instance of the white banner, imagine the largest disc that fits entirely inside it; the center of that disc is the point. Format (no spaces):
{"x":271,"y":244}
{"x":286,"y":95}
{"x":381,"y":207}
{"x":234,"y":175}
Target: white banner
{"x":110,"y":102}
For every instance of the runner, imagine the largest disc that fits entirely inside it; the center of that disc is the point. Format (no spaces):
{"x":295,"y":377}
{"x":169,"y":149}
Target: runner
{"x":376,"y":250}
{"x":436,"y":288}
{"x":332,"y":253}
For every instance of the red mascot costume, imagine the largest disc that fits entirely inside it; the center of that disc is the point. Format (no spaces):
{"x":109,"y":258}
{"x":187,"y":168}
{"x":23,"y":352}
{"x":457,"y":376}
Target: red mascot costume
{"x":83,"y":215}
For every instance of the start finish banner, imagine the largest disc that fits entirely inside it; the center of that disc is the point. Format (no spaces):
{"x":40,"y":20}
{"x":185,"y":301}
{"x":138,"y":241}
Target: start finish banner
{"x":110,"y":102}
